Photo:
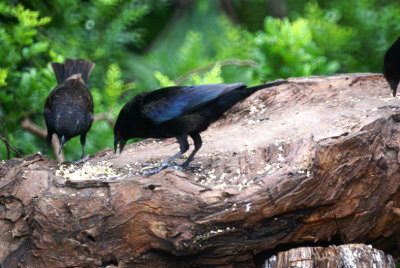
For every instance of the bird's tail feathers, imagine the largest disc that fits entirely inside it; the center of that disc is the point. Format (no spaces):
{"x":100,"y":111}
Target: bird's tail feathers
{"x":267,"y":85}
{"x":71,"y":67}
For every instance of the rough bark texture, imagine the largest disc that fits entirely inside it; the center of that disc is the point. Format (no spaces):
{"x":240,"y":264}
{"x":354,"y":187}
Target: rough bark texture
{"x":345,"y":256}
{"x":312,"y":162}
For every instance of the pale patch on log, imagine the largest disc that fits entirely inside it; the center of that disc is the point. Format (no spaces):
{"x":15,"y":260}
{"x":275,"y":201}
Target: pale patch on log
{"x":310,"y":162}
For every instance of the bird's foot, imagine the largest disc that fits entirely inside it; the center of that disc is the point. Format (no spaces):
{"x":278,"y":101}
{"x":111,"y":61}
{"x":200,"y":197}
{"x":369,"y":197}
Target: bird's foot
{"x":83,"y":159}
{"x":184,"y":167}
{"x":152,"y":171}
{"x":149,"y":171}
{"x":393,"y":107}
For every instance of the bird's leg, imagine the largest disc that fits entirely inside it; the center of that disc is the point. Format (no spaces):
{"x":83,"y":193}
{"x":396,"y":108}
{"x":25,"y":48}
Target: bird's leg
{"x":197,"y":145}
{"x":49,"y":136}
{"x":172,"y":158}
{"x":83,"y":142}
{"x":83,"y":157}
{"x":183,"y":147}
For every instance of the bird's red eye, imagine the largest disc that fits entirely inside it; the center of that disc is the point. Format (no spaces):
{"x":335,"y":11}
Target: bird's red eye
{"x":118,"y":133}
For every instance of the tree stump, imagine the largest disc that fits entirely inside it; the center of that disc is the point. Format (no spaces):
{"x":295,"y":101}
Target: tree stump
{"x":346,"y":256}
{"x":314,"y":162}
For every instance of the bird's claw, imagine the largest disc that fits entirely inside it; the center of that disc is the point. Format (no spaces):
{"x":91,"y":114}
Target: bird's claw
{"x":153,"y":171}
{"x":83,"y":159}
{"x":150,"y":171}
{"x":182,"y":167}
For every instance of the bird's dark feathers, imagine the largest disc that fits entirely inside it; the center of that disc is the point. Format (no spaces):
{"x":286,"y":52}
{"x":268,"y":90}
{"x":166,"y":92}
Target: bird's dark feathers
{"x":163,"y":105}
{"x":391,"y":66}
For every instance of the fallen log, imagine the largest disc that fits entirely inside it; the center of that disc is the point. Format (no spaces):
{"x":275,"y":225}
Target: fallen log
{"x":312,"y":162}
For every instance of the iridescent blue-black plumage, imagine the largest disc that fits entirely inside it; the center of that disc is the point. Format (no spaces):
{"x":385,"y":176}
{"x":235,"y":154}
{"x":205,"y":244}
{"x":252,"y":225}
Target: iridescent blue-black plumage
{"x":68,"y":110}
{"x":179,"y":112}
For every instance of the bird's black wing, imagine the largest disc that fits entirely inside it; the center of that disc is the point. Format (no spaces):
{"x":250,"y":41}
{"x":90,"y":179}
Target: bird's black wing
{"x":168,"y":103}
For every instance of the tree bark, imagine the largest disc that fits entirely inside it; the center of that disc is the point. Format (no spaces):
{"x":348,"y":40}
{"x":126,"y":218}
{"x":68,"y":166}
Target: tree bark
{"x":313,"y":162}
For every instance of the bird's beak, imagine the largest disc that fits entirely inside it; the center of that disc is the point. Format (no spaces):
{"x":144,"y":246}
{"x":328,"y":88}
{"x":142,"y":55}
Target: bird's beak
{"x":62,"y":141}
{"x":394,"y":90}
{"x":119,"y":142}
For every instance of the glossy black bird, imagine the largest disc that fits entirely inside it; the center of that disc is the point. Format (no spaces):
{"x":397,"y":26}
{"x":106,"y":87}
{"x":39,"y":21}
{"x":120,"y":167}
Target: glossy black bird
{"x":391,"y":66}
{"x":68,"y":110}
{"x":179,"y":112}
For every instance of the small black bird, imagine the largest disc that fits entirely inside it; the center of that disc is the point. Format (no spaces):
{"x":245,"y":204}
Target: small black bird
{"x":391,"y":66}
{"x":179,"y":112}
{"x":68,"y":110}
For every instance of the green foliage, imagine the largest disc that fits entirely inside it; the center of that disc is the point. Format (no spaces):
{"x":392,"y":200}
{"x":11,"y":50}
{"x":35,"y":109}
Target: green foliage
{"x":97,"y":30}
{"x":336,"y":41}
{"x":114,"y":86}
{"x":191,"y":53}
{"x":375,"y":26}
{"x":163,"y":80}
{"x":288,"y":49}
{"x":3,"y":76}
{"x":17,"y":39}
{"x":211,"y":77}
{"x":356,"y":33}
{"x":22,"y":85}
{"x":213,"y":51}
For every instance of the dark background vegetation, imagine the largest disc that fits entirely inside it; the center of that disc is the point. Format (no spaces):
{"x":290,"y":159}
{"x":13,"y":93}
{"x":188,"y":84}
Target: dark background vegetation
{"x":142,"y":45}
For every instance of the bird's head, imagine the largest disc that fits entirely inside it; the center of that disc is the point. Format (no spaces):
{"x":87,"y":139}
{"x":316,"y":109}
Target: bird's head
{"x":124,"y":128}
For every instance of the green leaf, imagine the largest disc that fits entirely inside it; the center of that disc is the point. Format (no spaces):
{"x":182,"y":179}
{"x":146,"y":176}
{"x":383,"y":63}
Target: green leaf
{"x":163,"y":80}
{"x":3,"y":77}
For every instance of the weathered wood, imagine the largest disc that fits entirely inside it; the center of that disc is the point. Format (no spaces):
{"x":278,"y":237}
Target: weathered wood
{"x":345,"y":256}
{"x":310,"y":162}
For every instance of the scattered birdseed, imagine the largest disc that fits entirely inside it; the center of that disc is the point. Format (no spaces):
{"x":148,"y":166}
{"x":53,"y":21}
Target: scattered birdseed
{"x":253,"y":109}
{"x":102,"y":170}
{"x":280,"y":158}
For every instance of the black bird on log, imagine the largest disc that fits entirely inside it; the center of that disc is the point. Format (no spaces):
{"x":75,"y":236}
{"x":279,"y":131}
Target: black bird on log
{"x":179,"y":111}
{"x":391,"y":66}
{"x":68,"y":110}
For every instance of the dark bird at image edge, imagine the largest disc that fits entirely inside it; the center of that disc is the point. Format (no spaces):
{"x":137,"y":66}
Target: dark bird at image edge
{"x":68,"y":110}
{"x":179,"y":111}
{"x":391,"y":66}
